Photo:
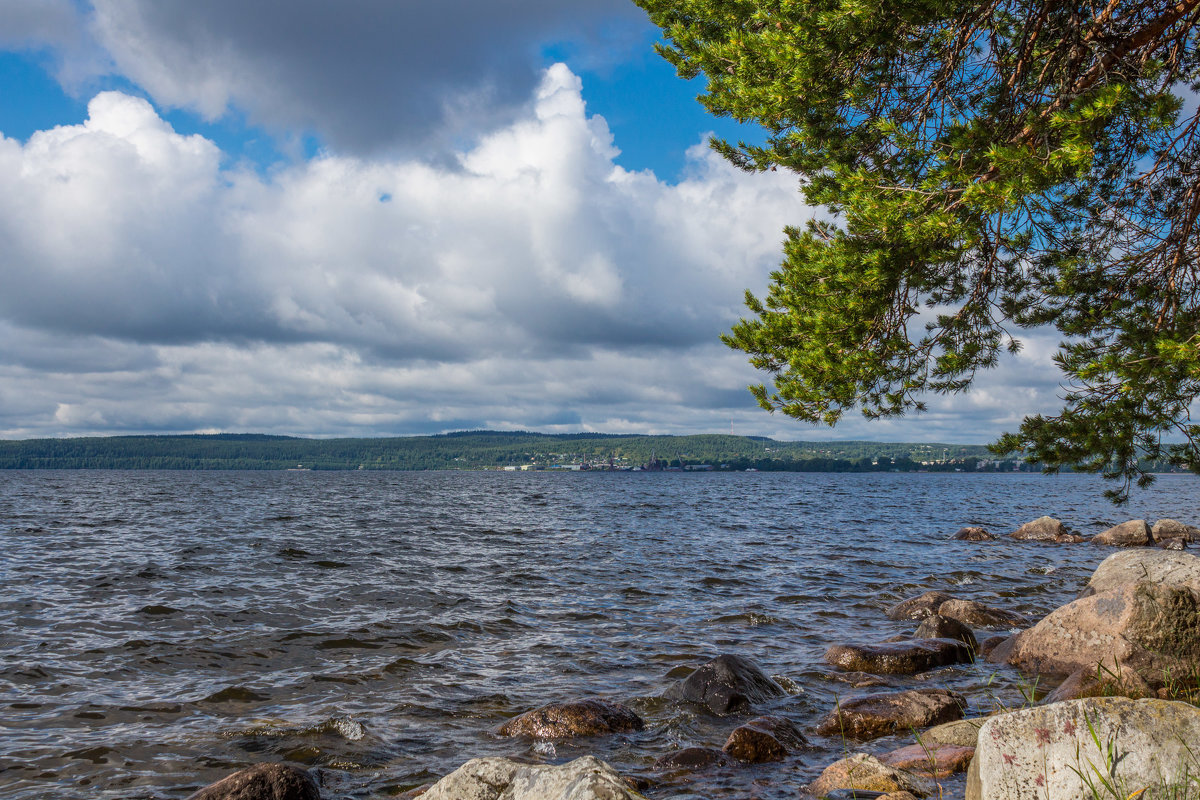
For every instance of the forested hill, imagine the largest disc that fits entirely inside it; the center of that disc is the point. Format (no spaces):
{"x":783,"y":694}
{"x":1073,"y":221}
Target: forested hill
{"x":486,"y":450}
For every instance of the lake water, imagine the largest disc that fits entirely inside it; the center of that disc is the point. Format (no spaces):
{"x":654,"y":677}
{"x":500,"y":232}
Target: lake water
{"x":161,"y":629}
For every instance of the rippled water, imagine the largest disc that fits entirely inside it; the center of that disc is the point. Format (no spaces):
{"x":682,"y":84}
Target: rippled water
{"x":160,"y":629}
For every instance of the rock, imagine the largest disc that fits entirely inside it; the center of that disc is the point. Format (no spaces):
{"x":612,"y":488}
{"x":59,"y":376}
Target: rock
{"x":875,"y":715}
{"x":263,"y":782}
{"x":864,"y":680}
{"x":1174,"y":544}
{"x":764,"y":739}
{"x":960,"y":732}
{"x":1156,"y":566}
{"x":1042,"y":751}
{"x":691,"y":759}
{"x":970,"y":612}
{"x":1099,"y":682}
{"x":862,"y":771}
{"x":569,"y":720}
{"x":726,"y":684}
{"x":1153,"y":629}
{"x":989,"y":645}
{"x":939,"y":626}
{"x":918,"y":607}
{"x":586,"y":778}
{"x":1134,"y":533}
{"x":898,"y":796}
{"x":1166,"y":530}
{"x":904,"y":657}
{"x":1045,"y":529}
{"x":931,"y":761}
{"x":973,"y":534}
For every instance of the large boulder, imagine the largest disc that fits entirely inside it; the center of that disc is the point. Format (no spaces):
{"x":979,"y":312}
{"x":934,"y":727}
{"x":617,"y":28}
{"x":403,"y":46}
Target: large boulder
{"x":1045,"y":529}
{"x":866,"y":772}
{"x":727,"y":684}
{"x":875,"y":715}
{"x":1156,"y":566}
{"x":586,"y":778}
{"x":904,"y":657}
{"x":568,"y":720}
{"x":970,"y":612}
{"x":918,"y":607}
{"x":263,"y":782}
{"x":1134,"y":533}
{"x":1151,"y":628}
{"x":1168,"y":530}
{"x":1050,"y":751}
{"x":764,"y":739}
{"x":939,"y":626}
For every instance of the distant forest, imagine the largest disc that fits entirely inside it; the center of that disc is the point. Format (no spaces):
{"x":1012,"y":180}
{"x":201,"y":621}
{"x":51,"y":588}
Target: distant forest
{"x":474,"y":450}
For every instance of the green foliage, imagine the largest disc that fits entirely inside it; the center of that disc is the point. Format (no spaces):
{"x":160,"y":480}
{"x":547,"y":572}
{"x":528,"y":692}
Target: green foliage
{"x":983,"y":167}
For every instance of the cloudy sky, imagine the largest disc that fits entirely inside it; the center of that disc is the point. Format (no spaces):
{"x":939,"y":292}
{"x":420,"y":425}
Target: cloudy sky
{"x":371,"y":217}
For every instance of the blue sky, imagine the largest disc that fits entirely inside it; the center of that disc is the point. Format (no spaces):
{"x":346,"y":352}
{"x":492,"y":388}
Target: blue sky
{"x":377,"y":218}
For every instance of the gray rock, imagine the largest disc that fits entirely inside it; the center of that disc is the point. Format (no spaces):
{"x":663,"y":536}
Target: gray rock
{"x":263,"y":782}
{"x":1166,"y":530}
{"x":862,"y":771}
{"x":918,"y":607}
{"x":726,"y":684}
{"x":903,"y":657}
{"x":1156,"y":566}
{"x":1134,"y":533}
{"x":940,"y":626}
{"x":586,"y":778}
{"x":875,"y":715}
{"x":1043,"y":751}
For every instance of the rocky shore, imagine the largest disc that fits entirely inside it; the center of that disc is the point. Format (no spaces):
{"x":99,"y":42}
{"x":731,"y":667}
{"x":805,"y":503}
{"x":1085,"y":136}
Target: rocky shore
{"x":1121,"y":722}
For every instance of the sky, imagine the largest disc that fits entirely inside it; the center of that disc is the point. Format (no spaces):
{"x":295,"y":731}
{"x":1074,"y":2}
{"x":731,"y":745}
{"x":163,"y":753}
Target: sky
{"x":378,"y":218}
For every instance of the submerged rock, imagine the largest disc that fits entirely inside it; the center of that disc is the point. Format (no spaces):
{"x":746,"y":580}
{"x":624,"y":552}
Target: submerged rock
{"x":725,"y":685}
{"x":875,"y":715}
{"x":862,"y":771}
{"x":973,"y":534}
{"x":586,"y":778}
{"x":1045,"y":529}
{"x":939,"y":626}
{"x":263,"y":782}
{"x":1134,"y":533}
{"x":918,"y":607}
{"x":970,"y":612}
{"x":1049,"y":751}
{"x":904,"y":657}
{"x":764,"y":739}
{"x":692,"y":759}
{"x":569,"y":720}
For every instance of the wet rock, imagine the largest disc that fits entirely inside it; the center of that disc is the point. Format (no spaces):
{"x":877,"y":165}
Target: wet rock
{"x":1044,"y":751}
{"x":569,"y":720}
{"x":904,"y":657}
{"x":1156,"y":566}
{"x":862,"y":771}
{"x":918,"y":607}
{"x":725,"y":685}
{"x":1099,"y":682}
{"x":931,"y":761}
{"x":1170,"y":530}
{"x":1134,"y":533}
{"x":973,"y":534}
{"x":764,"y":739}
{"x":1151,"y":628}
{"x":263,"y":782}
{"x":586,"y":778}
{"x":875,"y":715}
{"x":939,"y":626}
{"x":864,"y":680}
{"x":859,"y":794}
{"x":989,"y":645}
{"x":1045,"y":529}
{"x":970,"y":612}
{"x":960,"y":732}
{"x":692,"y":759}
{"x":1174,"y":544}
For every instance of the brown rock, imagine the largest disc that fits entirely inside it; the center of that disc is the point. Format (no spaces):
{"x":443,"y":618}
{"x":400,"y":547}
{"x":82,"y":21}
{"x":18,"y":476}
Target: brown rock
{"x":692,"y":758}
{"x":973,"y":534}
{"x":989,"y":645}
{"x":1045,"y":529}
{"x":764,"y":739}
{"x":875,"y":715}
{"x":970,"y":612}
{"x":1100,"y":682}
{"x":940,"y":626}
{"x":864,"y":680}
{"x":726,"y":684}
{"x":898,"y":796}
{"x":568,"y":720}
{"x":905,"y":657}
{"x":263,"y":782}
{"x":960,"y":732}
{"x":918,"y":607}
{"x":1174,"y":544}
{"x":862,"y":771}
{"x":1151,"y":628}
{"x":932,"y":761}
{"x":1166,"y":530}
{"x":1134,"y":533}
